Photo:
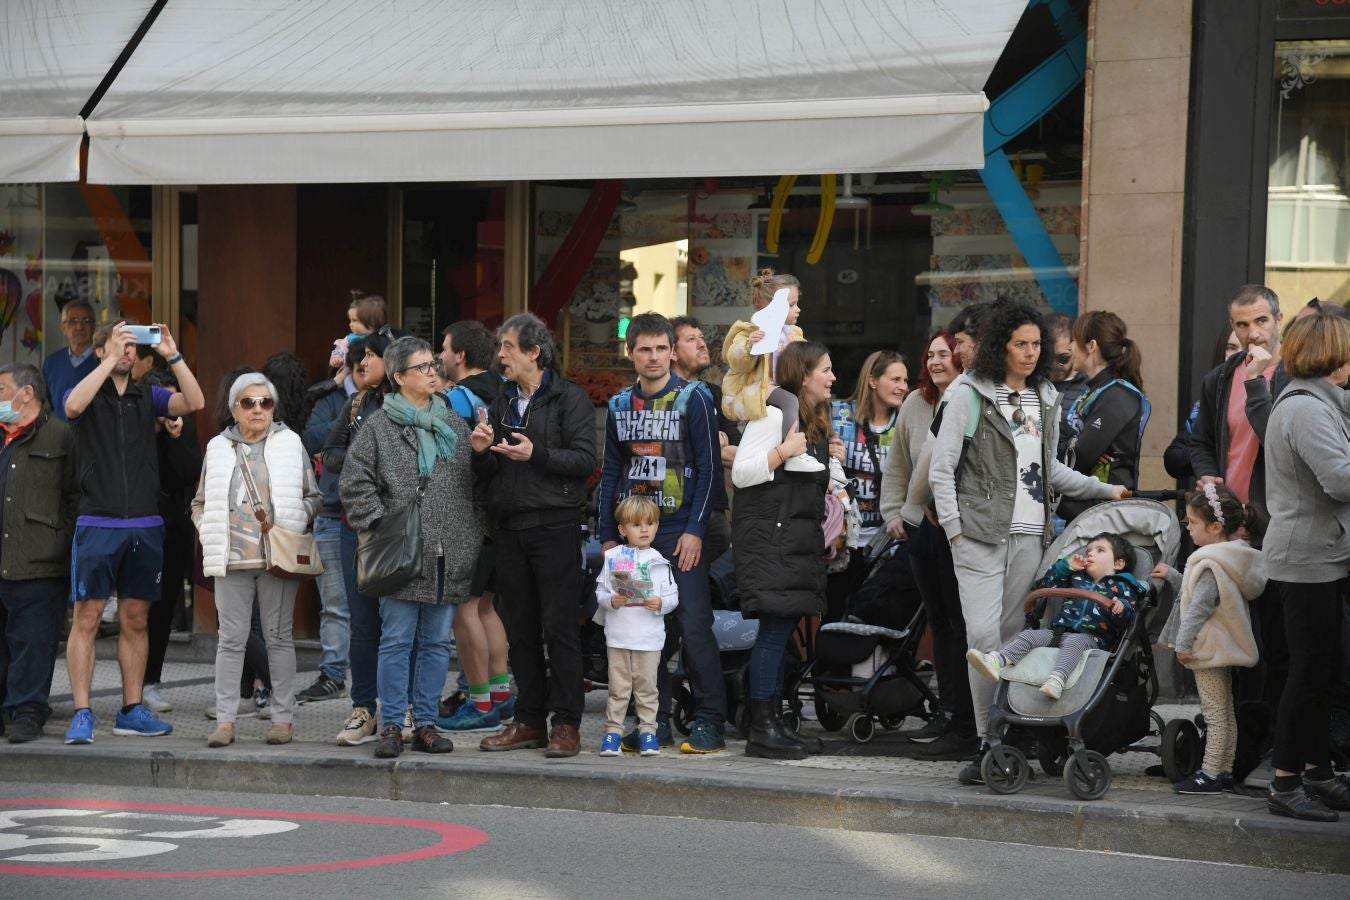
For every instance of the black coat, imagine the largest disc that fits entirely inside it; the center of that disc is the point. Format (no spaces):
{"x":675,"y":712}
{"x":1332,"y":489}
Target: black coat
{"x":780,"y":544}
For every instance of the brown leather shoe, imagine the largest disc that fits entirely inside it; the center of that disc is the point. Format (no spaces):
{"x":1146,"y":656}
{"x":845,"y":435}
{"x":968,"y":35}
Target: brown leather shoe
{"x":516,"y":736}
{"x":563,"y":740}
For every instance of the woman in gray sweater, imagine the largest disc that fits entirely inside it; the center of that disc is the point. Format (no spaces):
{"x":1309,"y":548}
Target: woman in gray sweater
{"x":1307,"y":555}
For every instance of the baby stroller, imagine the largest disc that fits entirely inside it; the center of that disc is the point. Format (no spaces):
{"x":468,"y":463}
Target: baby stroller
{"x":865,"y":672}
{"x":1105,"y":706}
{"x":735,"y":639}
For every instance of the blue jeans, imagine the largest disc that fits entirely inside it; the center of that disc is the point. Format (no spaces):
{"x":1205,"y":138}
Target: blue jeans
{"x":769,"y":654}
{"x":364,"y":646}
{"x":334,"y":618}
{"x":402,"y":623}
{"x":32,"y":614}
{"x":694,"y":620}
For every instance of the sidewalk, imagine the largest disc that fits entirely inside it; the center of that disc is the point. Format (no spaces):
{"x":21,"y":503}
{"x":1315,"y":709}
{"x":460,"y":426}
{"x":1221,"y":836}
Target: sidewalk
{"x":852,"y":787}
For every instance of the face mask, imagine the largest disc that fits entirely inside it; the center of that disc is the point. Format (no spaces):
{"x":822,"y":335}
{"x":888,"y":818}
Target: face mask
{"x":8,"y":414}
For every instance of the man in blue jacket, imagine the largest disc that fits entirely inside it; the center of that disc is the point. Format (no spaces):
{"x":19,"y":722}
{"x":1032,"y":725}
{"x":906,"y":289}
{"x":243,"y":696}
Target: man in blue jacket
{"x":661,"y":442}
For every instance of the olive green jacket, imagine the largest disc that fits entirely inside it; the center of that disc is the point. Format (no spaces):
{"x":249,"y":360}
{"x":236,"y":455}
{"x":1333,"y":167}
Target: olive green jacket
{"x":42,"y":493}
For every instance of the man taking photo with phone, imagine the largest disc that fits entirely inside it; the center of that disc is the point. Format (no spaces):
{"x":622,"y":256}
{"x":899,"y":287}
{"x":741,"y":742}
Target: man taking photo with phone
{"x":119,"y":534}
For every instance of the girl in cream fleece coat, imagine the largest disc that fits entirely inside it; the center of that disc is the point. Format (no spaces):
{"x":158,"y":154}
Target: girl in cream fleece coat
{"x":1210,"y":626}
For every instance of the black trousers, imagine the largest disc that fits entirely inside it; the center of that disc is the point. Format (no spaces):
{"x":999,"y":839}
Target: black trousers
{"x":930,"y":559}
{"x":178,"y":541}
{"x":1312,"y":621}
{"x":538,"y":577}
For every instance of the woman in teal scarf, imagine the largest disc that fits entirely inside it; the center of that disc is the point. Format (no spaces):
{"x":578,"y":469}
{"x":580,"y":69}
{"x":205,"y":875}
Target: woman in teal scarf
{"x":414,"y":450}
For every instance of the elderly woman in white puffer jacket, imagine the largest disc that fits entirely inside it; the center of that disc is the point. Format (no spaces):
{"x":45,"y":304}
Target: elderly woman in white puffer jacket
{"x":233,"y":550}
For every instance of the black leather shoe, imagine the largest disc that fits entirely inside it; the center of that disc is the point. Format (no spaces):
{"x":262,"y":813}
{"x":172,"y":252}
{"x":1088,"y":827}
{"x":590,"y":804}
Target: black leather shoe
{"x":24,"y":727}
{"x":1299,"y":804}
{"x":1334,"y":792}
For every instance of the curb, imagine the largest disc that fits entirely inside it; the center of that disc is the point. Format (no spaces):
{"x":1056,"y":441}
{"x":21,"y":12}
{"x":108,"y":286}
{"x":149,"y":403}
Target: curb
{"x":1251,"y":837}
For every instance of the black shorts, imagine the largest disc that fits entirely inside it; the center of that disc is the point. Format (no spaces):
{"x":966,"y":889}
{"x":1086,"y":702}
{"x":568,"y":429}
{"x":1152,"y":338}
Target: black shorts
{"x":128,"y":562}
{"x":485,"y":571}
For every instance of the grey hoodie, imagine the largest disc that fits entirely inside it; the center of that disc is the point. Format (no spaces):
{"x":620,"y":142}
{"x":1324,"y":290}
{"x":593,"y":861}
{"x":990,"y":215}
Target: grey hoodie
{"x":1307,"y":449}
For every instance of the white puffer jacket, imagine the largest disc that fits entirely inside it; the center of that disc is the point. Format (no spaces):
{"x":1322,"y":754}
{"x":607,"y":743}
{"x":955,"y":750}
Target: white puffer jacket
{"x":286,"y":473}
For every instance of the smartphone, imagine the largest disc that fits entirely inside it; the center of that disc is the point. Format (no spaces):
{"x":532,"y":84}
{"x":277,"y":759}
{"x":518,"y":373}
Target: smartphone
{"x":147,"y":335}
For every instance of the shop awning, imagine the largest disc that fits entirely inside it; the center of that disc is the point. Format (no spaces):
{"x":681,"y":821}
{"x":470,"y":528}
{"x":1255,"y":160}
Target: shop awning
{"x":391,"y":90}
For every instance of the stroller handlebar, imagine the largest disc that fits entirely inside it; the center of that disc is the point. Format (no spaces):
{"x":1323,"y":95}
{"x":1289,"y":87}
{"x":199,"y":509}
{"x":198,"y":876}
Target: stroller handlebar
{"x":1066,"y":594}
{"x":1160,"y":496}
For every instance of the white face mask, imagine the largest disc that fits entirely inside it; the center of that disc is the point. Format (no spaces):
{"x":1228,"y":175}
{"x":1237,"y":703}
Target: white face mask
{"x":9,"y":414}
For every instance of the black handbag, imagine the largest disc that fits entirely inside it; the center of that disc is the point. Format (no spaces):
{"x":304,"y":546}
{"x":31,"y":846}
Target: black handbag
{"x":389,"y":554}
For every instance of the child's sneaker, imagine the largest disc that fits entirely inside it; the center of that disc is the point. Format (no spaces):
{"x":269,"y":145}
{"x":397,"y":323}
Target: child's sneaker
{"x":648,"y":744}
{"x":1053,"y":687}
{"x":1199,"y":783}
{"x":987,"y":664}
{"x":1225,"y":780}
{"x":610,"y":745}
{"x":632,"y":741}
{"x":804,"y":462}
{"x":141,"y":722}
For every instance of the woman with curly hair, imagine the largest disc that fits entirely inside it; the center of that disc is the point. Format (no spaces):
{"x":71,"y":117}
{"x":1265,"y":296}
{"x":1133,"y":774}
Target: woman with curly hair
{"x":993,"y":472}
{"x":291,"y":378}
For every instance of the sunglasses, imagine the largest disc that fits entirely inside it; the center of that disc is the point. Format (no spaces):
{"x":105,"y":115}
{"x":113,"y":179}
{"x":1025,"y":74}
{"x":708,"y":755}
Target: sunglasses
{"x":1063,"y":359}
{"x":425,"y":368}
{"x":257,"y":402}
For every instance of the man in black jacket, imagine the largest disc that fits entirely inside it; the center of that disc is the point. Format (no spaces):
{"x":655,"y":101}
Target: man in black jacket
{"x":536,"y":449}
{"x":38,"y":496}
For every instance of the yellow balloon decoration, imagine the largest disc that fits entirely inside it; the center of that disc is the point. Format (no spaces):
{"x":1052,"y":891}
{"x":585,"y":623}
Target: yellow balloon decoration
{"x":826,"y":220}
{"x":780,"y":198}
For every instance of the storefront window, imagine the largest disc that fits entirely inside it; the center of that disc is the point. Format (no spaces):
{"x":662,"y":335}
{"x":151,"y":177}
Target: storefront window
{"x":65,"y":242}
{"x":1308,"y":207}
{"x":453,"y":264}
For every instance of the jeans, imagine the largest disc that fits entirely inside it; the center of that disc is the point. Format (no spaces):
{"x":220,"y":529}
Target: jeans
{"x":402,"y":623}
{"x":694,"y":619}
{"x":768,"y":656}
{"x":334,"y":618}
{"x":32,"y":615}
{"x":364,"y":645}
{"x":538,"y":576}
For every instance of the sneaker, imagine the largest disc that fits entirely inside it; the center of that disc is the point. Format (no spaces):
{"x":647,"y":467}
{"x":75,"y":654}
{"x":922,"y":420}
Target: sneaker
{"x":81,"y":730}
{"x":506,"y":709}
{"x":449,"y":704}
{"x":1226,"y":785}
{"x":610,"y":746}
{"x":802,"y":462}
{"x":150,"y":697}
{"x":141,"y":722}
{"x":650,"y":746}
{"x":632,"y":741}
{"x":408,"y":727}
{"x":109,"y":616}
{"x":24,"y":727}
{"x":359,"y":728}
{"x":470,"y":718}
{"x":1198,"y":783}
{"x":1053,"y":687}
{"x":704,"y":737}
{"x":391,"y":743}
{"x":1262,"y":775}
{"x":427,"y":740}
{"x":323,"y":688}
{"x":262,"y":703}
{"x":971,"y":773}
{"x":987,"y":664}
{"x":930,"y":731}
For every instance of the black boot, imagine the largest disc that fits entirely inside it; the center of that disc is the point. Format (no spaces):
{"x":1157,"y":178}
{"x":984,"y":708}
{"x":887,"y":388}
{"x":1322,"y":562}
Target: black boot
{"x":810,"y":744}
{"x":767,"y":739}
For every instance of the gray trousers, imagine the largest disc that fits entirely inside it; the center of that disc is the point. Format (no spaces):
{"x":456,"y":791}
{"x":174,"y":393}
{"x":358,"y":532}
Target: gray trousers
{"x":235,"y":595}
{"x":994,"y":580}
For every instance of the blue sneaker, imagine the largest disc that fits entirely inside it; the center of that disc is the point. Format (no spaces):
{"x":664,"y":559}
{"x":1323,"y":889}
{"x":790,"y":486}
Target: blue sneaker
{"x":610,"y":745}
{"x":632,"y":741}
{"x":649,"y":745}
{"x":1198,"y":783}
{"x":1225,"y":780}
{"x":506,"y":710}
{"x":81,"y":730}
{"x":470,"y":718}
{"x":141,"y":722}
{"x":704,"y":737}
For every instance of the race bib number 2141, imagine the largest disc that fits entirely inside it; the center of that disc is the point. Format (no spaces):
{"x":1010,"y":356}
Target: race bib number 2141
{"x":647,"y":468}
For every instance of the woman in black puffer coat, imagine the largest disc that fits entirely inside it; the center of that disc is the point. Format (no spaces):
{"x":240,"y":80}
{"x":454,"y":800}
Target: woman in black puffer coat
{"x":777,"y":534}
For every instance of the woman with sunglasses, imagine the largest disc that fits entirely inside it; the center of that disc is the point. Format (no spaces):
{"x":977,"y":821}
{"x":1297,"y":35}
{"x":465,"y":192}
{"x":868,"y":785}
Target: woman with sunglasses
{"x":414,"y":449}
{"x":993,"y":474}
{"x":256,"y":474}
{"x":1108,"y":418}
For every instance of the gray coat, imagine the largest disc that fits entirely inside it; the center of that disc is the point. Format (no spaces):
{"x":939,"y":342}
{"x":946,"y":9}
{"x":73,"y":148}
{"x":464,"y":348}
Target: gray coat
{"x":380,"y":475}
{"x":979,"y":503}
{"x":1307,"y":450}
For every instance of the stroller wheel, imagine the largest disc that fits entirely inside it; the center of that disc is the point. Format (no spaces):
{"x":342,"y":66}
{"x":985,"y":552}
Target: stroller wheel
{"x":1087,"y":775}
{"x":860,"y":727}
{"x":828,"y":717}
{"x":682,"y":717}
{"x":1182,"y":749}
{"x":1005,"y":769}
{"x":791,"y":720}
{"x":891,"y":723}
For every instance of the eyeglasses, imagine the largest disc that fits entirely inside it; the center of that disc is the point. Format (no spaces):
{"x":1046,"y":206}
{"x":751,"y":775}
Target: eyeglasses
{"x":425,"y":368}
{"x":257,"y":402}
{"x":79,"y":320}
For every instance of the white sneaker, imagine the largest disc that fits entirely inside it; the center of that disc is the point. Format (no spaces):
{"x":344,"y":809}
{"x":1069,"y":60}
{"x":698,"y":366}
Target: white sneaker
{"x":109,"y":616}
{"x":359,"y":728}
{"x":150,"y":697}
{"x":407,"y":726}
{"x":1053,"y":687}
{"x":804,"y":462}
{"x":987,"y":664}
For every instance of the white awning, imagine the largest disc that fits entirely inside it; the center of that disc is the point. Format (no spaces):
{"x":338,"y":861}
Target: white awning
{"x":391,"y":90}
{"x":53,"y":54}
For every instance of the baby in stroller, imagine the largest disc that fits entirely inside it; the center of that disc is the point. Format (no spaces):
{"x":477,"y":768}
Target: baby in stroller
{"x":1082,"y":623}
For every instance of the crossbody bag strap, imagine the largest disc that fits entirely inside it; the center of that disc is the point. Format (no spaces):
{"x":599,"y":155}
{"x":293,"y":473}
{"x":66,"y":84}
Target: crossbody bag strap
{"x":259,"y":512}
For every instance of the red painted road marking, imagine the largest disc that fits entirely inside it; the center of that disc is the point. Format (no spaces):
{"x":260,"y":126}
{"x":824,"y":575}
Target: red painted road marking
{"x":454,"y":838}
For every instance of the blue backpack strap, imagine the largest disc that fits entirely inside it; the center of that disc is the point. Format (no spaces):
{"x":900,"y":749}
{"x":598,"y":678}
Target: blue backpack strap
{"x":685,"y":391}
{"x":622,"y":401}
{"x":475,"y":402}
{"x":1084,"y":403}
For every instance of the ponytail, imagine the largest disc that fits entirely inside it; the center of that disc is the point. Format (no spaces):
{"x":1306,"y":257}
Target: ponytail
{"x":1121,"y":354}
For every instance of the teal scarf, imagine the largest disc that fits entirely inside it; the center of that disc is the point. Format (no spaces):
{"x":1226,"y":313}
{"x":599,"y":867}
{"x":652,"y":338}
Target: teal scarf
{"x":435,"y":437}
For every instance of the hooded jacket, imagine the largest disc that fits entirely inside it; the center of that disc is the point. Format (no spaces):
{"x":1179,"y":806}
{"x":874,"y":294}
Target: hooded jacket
{"x":745,"y":387}
{"x":1220,"y":579}
{"x":1088,"y":616}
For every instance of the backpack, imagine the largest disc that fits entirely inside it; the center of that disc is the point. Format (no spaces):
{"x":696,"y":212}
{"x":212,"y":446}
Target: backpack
{"x":1102,"y":470}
